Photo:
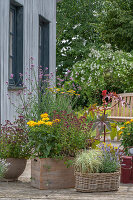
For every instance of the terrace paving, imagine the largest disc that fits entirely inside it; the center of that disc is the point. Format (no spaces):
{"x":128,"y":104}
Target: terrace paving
{"x":22,"y":190}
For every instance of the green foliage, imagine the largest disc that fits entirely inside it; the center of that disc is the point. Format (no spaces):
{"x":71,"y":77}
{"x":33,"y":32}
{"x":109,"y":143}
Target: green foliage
{"x":110,"y":161}
{"x":41,"y":96}
{"x":88,"y":161}
{"x":114,"y":131}
{"x":14,"y":140}
{"x":126,"y":134}
{"x":44,"y":139}
{"x":104,"y":68}
{"x":76,"y":31}
{"x":62,"y":137}
{"x":102,"y":121}
{"x":116,"y":23}
{"x":105,"y":159}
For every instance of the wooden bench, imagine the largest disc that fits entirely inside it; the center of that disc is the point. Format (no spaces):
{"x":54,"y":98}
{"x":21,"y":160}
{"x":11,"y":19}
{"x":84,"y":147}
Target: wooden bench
{"x":121,"y":113}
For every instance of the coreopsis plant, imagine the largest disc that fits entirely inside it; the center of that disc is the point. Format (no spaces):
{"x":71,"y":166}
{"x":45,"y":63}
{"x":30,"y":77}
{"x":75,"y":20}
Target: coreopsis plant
{"x":62,"y":136}
{"x":14,"y":140}
{"x":126,"y":133}
{"x":43,"y":136}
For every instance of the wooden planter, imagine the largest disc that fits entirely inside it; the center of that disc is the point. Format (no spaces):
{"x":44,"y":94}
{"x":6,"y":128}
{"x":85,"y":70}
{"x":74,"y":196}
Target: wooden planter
{"x":48,"y":173}
{"x":97,"y":182}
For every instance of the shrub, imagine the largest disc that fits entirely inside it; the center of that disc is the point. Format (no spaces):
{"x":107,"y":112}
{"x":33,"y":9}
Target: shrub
{"x":104,"y":68}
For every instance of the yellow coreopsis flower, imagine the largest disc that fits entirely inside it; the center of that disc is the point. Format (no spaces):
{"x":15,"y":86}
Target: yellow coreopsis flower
{"x":120,"y":133}
{"x":31,"y":123}
{"x":45,"y":119}
{"x":128,"y":133}
{"x":131,"y":120}
{"x":40,"y":122}
{"x":122,"y":127}
{"x":44,"y":115}
{"x":49,"y":123}
{"x":127,"y":122}
{"x":56,"y":120}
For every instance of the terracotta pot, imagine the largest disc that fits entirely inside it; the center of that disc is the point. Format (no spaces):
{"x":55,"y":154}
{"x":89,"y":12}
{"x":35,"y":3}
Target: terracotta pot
{"x":15,"y":169}
{"x":48,"y":173}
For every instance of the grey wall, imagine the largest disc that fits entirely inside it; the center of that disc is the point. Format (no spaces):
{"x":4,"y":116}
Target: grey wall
{"x":32,"y":10}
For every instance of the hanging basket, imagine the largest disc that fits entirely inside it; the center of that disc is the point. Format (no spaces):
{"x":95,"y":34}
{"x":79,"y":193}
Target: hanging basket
{"x":97,"y":182}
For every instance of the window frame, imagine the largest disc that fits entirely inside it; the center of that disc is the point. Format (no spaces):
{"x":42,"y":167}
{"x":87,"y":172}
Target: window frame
{"x":17,"y":44}
{"x":43,"y":44}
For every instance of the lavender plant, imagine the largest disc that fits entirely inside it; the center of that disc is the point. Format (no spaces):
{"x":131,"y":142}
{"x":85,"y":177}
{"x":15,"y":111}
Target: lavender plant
{"x":111,"y":159}
{"x":104,"y":159}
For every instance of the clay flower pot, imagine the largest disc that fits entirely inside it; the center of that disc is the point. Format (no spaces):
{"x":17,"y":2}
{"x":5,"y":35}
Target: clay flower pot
{"x":15,"y":169}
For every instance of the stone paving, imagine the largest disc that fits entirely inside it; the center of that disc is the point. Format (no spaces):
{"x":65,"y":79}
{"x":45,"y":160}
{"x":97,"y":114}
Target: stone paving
{"x":22,"y":190}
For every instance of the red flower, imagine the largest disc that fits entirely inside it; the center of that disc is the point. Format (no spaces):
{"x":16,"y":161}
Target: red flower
{"x":104,"y":92}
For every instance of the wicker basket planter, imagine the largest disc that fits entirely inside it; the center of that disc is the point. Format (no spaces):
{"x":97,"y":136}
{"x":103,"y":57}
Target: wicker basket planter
{"x":97,"y":182}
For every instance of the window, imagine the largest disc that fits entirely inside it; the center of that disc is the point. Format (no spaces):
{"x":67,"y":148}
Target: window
{"x":15,"y":43}
{"x":44,"y":44}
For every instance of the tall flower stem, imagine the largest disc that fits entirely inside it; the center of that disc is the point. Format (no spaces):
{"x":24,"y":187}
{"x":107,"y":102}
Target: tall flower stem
{"x":104,"y":125}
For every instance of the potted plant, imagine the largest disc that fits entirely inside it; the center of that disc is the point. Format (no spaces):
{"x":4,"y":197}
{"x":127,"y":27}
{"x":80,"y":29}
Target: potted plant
{"x":55,"y":143}
{"x":3,"y":167}
{"x":97,"y":169}
{"x":14,"y":147}
{"x":126,"y":134}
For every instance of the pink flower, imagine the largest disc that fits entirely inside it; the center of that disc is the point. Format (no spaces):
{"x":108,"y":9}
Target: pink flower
{"x":40,"y":76}
{"x":20,"y":74}
{"x":68,"y":71}
{"x":12,"y":75}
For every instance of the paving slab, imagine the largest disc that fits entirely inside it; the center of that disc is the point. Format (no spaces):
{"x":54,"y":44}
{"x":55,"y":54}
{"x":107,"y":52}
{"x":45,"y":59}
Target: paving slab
{"x":23,"y":191}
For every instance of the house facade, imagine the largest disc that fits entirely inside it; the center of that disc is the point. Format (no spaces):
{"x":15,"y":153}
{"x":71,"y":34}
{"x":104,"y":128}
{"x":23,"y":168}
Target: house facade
{"x":27,"y":29}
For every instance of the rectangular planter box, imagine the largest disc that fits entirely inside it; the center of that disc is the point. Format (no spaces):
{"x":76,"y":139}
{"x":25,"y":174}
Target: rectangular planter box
{"x":48,"y":173}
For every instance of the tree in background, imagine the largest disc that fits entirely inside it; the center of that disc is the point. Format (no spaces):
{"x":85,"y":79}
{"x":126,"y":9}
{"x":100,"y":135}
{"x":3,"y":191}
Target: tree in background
{"x":76,"y":31}
{"x":116,"y":23}
{"x":84,"y":30}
